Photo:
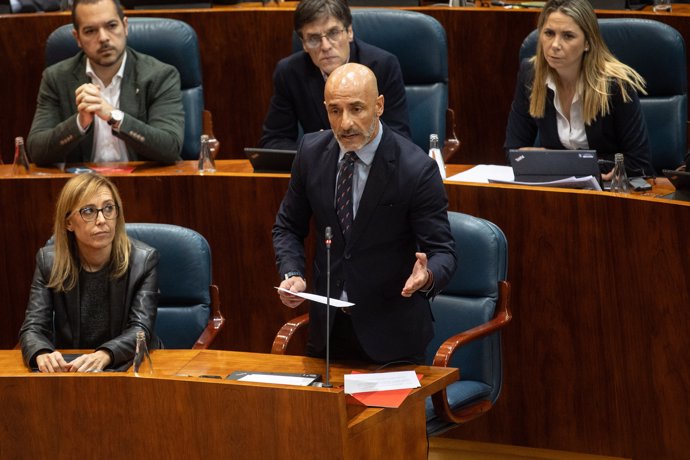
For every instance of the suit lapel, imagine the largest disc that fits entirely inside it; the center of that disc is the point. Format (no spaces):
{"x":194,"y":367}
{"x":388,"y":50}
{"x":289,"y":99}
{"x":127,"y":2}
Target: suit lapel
{"x":382,"y":168}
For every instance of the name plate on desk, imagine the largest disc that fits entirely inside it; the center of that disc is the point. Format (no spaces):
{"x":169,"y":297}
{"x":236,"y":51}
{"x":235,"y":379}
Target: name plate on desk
{"x":280,"y":378}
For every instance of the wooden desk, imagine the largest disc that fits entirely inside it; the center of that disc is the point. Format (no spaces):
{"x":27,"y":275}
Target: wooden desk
{"x":111,"y":415}
{"x":595,"y":359}
{"x":237,"y":64}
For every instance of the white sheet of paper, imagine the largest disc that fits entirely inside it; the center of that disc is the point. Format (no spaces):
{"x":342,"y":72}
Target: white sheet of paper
{"x":380,"y":381}
{"x":586,"y":182}
{"x":318,"y":298}
{"x":482,"y":173}
{"x":281,"y":379}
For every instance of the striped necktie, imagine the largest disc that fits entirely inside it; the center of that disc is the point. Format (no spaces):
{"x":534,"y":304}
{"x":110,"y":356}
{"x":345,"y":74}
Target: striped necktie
{"x":343,"y":194}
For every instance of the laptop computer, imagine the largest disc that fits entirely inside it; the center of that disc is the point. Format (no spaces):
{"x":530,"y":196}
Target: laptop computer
{"x":550,"y":165}
{"x":681,"y":181}
{"x":270,"y":160}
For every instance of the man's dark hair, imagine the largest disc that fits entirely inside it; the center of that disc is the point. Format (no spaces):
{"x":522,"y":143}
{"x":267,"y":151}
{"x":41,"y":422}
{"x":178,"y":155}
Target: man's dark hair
{"x":310,"y":10}
{"x":118,"y":7}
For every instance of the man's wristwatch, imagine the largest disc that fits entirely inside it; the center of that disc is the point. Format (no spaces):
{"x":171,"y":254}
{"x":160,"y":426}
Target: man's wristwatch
{"x":289,"y":275}
{"x":116,"y":117}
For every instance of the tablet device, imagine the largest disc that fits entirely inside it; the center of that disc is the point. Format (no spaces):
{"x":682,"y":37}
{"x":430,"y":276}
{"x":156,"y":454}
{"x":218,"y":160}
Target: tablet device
{"x":270,"y":160}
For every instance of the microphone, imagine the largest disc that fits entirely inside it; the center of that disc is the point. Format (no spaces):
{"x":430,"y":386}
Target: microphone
{"x":328,"y":234}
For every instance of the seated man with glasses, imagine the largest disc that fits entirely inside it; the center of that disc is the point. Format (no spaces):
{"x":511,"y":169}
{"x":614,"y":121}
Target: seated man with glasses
{"x":325,"y":29}
{"x":93,"y":287}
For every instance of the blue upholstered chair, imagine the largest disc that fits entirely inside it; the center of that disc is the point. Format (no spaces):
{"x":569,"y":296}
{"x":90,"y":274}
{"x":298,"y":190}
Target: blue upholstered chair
{"x":657,"y":52}
{"x":419,"y":43}
{"x":188,"y":308}
{"x":468,"y":315}
{"x":168,"y":40}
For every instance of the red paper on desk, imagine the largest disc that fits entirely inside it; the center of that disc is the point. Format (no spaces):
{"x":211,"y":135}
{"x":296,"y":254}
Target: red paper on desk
{"x":388,"y":398}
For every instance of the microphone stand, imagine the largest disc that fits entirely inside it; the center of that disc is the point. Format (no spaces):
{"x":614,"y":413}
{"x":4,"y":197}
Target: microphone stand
{"x":329,"y":237}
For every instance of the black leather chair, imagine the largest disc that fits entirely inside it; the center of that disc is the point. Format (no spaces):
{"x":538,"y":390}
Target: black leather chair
{"x":168,"y":40}
{"x":657,"y":52}
{"x":188,"y":307}
{"x":419,"y":43}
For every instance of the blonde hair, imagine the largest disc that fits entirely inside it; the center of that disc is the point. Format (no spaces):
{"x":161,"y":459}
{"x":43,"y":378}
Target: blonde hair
{"x":599,"y":70}
{"x":65,"y":271}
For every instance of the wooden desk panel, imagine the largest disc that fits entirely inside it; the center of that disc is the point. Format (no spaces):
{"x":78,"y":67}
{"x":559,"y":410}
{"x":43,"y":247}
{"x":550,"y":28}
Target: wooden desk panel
{"x":52,"y":416}
{"x":241,"y":45}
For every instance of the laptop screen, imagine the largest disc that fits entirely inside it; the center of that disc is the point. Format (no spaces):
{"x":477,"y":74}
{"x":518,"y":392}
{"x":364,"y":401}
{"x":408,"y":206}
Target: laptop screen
{"x":270,"y":160}
{"x":549,"y":165}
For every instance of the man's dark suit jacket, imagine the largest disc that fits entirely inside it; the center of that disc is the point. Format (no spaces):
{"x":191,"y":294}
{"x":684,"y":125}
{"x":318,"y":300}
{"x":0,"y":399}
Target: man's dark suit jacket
{"x":298,"y":95}
{"x":52,"y":318}
{"x":623,"y":130}
{"x":150,"y":97}
{"x":403,"y":210}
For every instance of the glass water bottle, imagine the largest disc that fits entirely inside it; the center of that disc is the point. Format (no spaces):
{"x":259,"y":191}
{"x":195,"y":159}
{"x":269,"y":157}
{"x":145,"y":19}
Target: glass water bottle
{"x":619,"y":181}
{"x":142,"y":359}
{"x":436,"y":155}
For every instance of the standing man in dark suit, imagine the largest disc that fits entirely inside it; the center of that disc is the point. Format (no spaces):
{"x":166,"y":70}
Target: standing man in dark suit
{"x":108,"y":102}
{"x":391,"y":248}
{"x":325,"y":29}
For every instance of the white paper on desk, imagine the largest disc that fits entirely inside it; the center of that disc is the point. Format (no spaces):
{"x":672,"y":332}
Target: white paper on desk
{"x":483,"y":174}
{"x":318,"y":298}
{"x":280,"y":379}
{"x":380,"y":381}
{"x":586,"y":182}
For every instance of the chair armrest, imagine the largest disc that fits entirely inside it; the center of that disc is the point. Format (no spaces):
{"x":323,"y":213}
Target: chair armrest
{"x":280,"y":343}
{"x":451,"y":345}
{"x":451,"y":145}
{"x":215,"y":324}
{"x":207,"y":123}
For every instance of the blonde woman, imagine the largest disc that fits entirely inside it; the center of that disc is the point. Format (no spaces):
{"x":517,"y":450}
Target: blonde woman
{"x":93,"y":287}
{"x":574,"y":94}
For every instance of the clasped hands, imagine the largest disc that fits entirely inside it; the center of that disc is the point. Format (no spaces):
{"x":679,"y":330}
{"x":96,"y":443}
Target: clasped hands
{"x":89,"y":362}
{"x":420,"y":278}
{"x":90,"y":103}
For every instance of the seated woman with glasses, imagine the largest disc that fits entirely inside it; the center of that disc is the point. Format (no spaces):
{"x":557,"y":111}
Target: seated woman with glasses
{"x":93,"y":287}
{"x":328,"y":41}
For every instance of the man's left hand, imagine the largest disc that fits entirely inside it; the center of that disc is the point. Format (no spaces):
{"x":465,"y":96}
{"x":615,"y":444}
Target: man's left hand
{"x":420,"y":277}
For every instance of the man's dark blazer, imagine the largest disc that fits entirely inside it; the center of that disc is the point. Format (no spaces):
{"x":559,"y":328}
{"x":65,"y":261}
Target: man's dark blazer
{"x":52,"y":318}
{"x":150,"y":97}
{"x":403,"y":210}
{"x":623,"y":130}
{"x":298,"y":87}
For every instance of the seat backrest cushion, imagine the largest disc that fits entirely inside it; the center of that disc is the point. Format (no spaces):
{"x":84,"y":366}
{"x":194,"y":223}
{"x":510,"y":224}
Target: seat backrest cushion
{"x":168,"y":40}
{"x":419,"y":42}
{"x":184,"y":277}
{"x":470,"y":298}
{"x":657,"y":52}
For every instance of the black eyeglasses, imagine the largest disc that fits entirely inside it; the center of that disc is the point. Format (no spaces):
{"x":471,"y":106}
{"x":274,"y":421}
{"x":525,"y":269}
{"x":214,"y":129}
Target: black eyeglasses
{"x":314,"y":40}
{"x":90,"y":213}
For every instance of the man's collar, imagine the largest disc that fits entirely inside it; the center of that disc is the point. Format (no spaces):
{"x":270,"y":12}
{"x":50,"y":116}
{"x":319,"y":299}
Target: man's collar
{"x":366,"y":153}
{"x":120,"y":72}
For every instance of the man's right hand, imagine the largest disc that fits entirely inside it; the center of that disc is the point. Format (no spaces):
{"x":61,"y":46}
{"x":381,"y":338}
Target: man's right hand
{"x":90,"y":103}
{"x":294,"y":284}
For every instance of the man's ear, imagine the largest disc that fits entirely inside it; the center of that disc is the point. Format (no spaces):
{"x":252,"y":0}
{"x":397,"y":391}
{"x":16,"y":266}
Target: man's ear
{"x":75,"y":34}
{"x":379,"y":105}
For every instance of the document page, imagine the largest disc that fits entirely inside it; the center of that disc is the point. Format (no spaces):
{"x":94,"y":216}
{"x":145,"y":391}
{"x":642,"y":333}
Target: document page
{"x":380,"y":381}
{"x":318,"y":298}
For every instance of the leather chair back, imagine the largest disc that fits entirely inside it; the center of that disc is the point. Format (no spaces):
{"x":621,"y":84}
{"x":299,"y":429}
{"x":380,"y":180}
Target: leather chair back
{"x":470,"y":300}
{"x":168,"y":40}
{"x":184,"y":277}
{"x":419,"y":43}
{"x":657,"y":52}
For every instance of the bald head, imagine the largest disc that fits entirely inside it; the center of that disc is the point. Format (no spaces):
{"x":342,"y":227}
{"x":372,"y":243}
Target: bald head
{"x":353,"y":105}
